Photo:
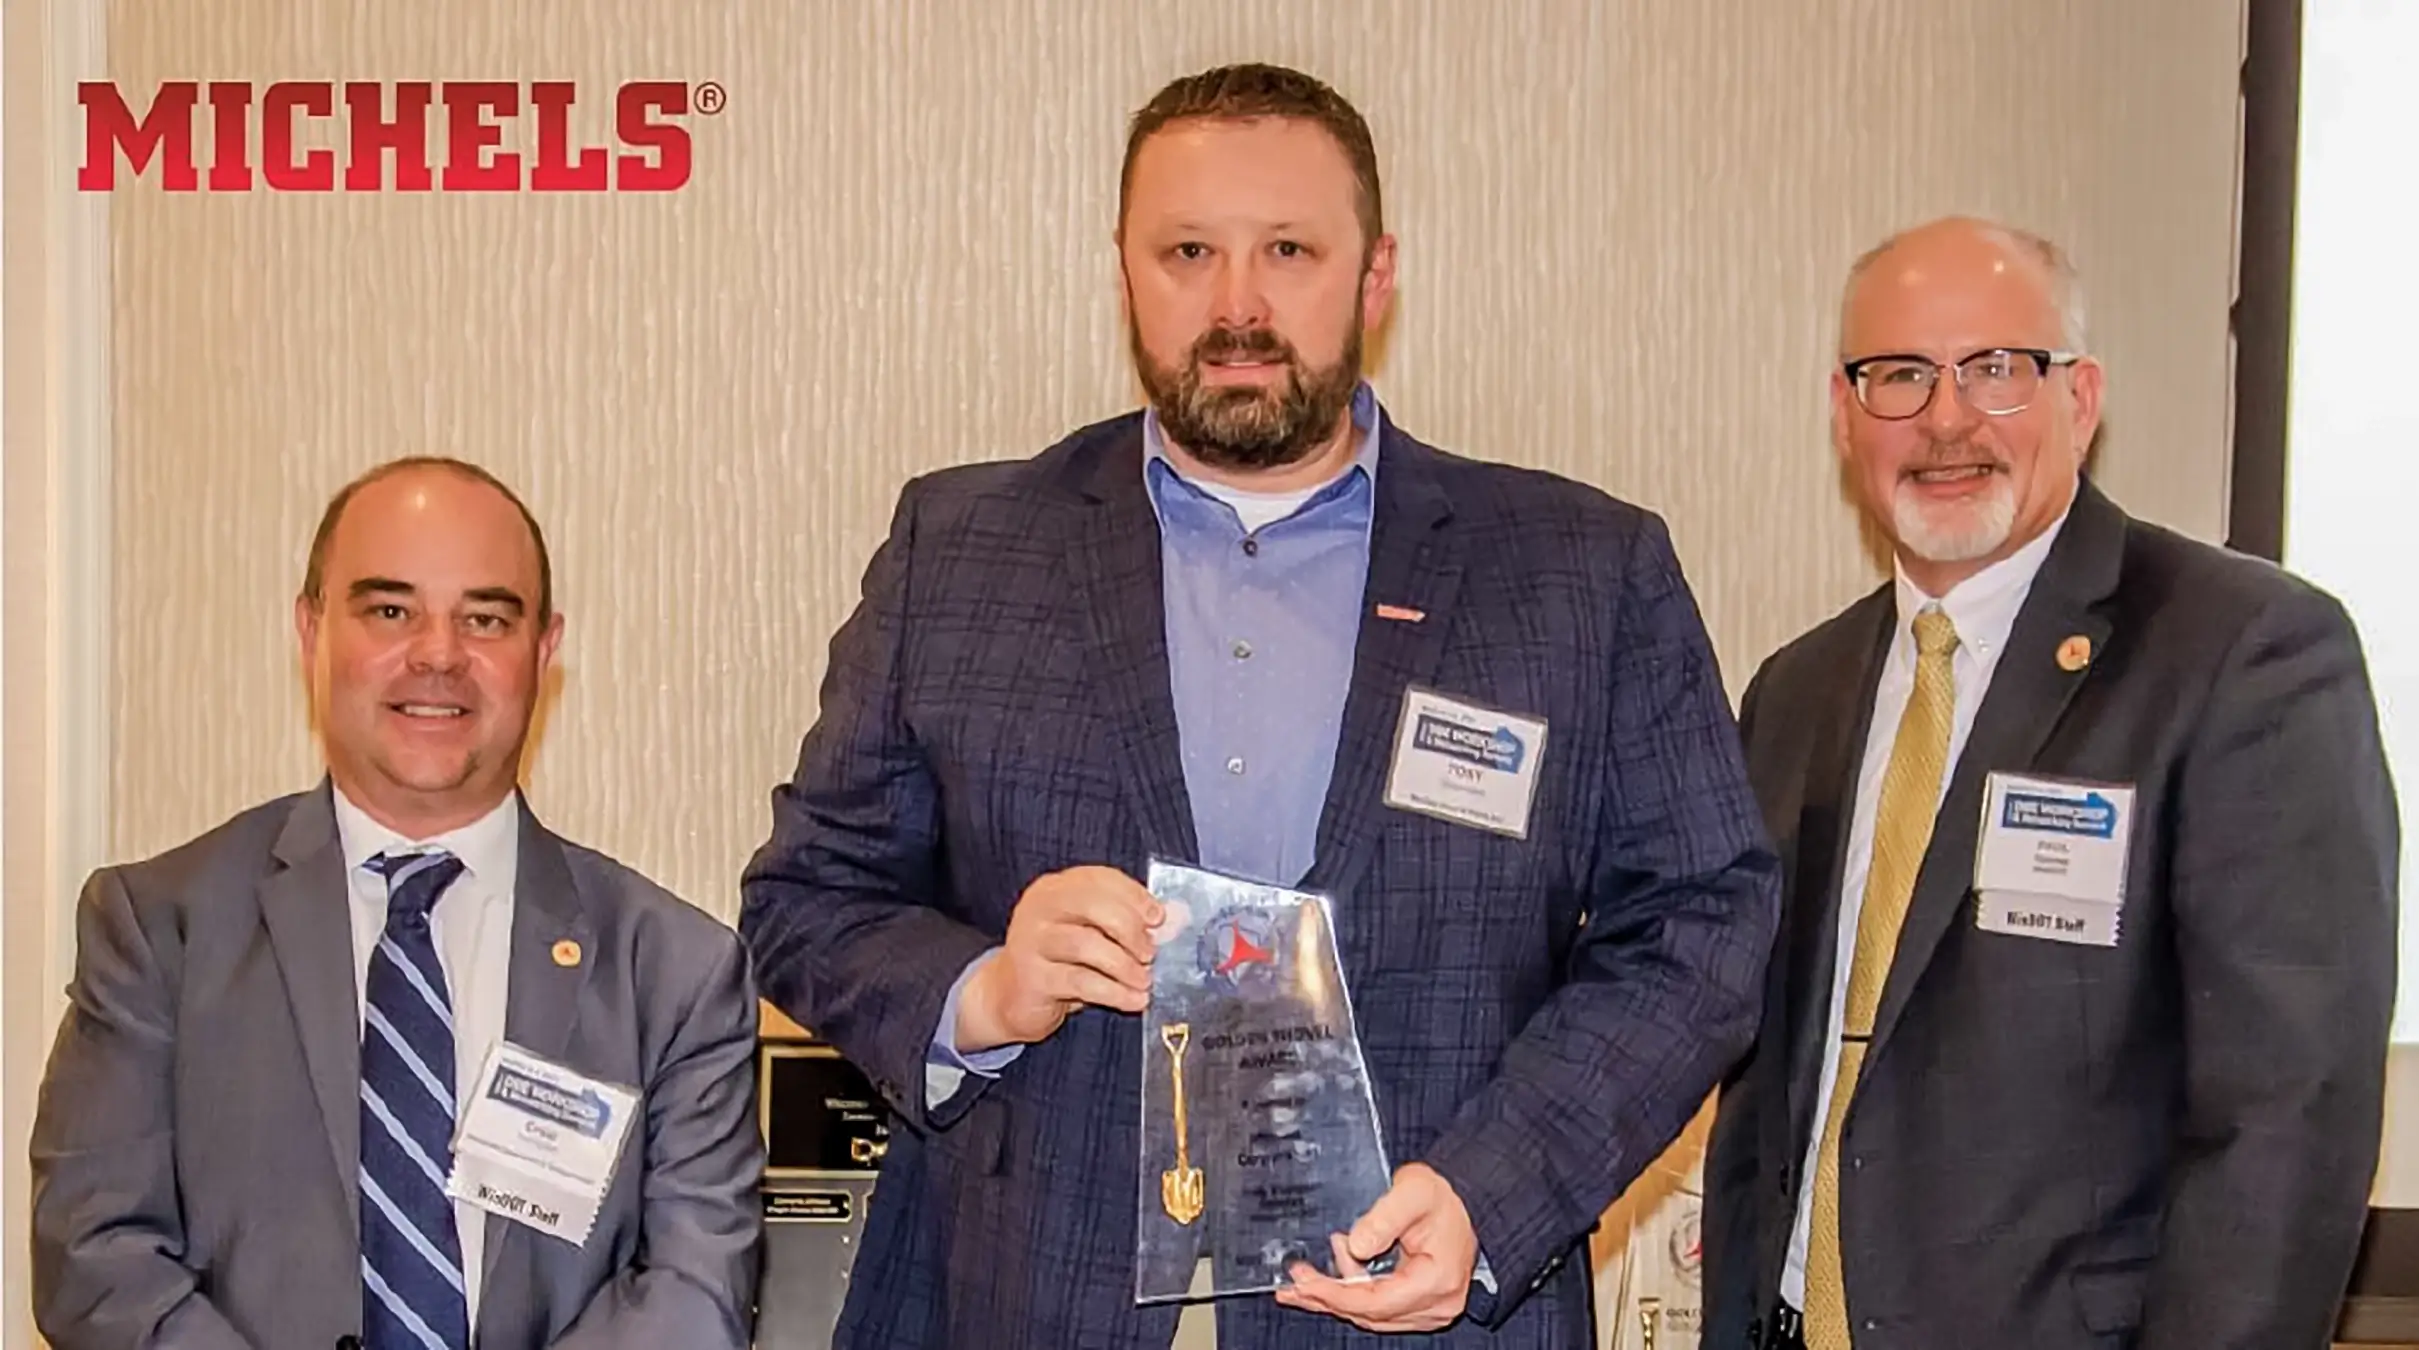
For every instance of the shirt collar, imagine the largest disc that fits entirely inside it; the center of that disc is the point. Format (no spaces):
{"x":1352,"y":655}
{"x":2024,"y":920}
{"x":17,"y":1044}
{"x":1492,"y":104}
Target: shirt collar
{"x":1364,"y":420}
{"x":486,"y":846}
{"x":1984,"y":605}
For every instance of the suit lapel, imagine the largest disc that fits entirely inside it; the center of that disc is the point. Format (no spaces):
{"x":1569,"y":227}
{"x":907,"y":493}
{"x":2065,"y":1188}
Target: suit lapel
{"x":1114,"y":569}
{"x":1843,"y":716}
{"x":542,"y":1000}
{"x":2028,"y":694}
{"x":306,"y":907}
{"x":1415,"y":565}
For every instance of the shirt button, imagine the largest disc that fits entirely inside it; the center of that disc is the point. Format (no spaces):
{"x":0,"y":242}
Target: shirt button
{"x":1251,"y":548}
{"x":1235,"y":765}
{"x":1242,"y":651}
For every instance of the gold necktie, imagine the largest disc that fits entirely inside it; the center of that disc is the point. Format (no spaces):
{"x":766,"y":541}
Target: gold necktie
{"x":1902,"y":830}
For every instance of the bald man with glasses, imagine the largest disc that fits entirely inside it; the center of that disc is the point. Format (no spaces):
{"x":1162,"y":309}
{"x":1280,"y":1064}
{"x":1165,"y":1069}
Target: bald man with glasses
{"x":2074,"y":1035}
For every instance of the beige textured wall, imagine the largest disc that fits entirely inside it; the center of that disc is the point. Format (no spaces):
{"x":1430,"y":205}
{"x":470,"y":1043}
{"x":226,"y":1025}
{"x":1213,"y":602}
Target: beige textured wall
{"x":1622,"y":225}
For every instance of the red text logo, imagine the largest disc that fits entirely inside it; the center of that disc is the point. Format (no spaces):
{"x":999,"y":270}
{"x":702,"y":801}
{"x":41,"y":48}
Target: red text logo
{"x":382,"y":123}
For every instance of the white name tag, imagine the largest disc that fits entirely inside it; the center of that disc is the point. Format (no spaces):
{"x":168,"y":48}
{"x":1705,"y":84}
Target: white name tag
{"x":1464,"y":763}
{"x":2051,"y":863}
{"x":538,"y":1143}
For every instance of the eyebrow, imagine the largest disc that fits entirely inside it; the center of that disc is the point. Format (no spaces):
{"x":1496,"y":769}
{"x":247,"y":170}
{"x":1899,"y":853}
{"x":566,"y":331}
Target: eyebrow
{"x":497,"y":595}
{"x":1200,"y":225}
{"x":479,"y":595}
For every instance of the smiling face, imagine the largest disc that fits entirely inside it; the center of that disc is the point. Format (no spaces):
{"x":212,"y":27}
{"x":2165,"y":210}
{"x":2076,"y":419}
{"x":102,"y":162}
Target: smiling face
{"x":1956,"y":488}
{"x":425,"y":648}
{"x":1248,"y":284}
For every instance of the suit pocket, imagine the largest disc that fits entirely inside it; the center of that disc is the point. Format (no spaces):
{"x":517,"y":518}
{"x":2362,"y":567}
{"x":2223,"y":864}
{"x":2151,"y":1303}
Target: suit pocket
{"x":2110,"y":1297}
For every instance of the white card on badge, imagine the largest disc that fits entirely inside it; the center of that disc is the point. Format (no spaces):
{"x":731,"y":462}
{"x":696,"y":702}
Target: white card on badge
{"x":2052,"y":856}
{"x":538,"y":1143}
{"x":1465,"y":763}
{"x":2055,"y":918}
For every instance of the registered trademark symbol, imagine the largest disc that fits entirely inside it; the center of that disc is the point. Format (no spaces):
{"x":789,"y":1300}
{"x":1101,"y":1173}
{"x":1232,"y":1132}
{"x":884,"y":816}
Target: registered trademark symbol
{"x":709,"y":98}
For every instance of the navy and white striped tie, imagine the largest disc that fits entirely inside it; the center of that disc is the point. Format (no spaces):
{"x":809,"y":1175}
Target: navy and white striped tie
{"x":412,"y":1295}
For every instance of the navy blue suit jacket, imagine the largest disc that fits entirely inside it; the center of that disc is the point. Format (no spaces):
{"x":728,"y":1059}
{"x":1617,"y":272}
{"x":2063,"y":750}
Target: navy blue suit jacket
{"x":1541,"y":1016}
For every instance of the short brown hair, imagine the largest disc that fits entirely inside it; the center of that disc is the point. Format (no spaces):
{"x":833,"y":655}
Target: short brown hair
{"x":1237,"y":93}
{"x":314,"y":570}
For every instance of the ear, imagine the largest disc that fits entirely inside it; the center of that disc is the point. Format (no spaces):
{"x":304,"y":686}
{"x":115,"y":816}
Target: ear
{"x":549,"y":641}
{"x":1377,"y":284}
{"x":2086,"y":380}
{"x":306,"y":628}
{"x":1843,"y":408}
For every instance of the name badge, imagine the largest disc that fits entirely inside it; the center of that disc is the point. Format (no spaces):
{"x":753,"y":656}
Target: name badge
{"x":2052,"y":859}
{"x":539,"y":1143}
{"x":1464,"y":763}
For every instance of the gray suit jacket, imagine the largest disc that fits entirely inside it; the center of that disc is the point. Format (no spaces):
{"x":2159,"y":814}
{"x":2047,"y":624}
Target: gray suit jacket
{"x":2162,"y":1145}
{"x":196,"y":1148}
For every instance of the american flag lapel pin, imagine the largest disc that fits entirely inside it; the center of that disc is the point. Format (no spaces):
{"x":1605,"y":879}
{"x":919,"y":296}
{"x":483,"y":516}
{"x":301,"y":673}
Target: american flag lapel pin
{"x":1400,"y":614}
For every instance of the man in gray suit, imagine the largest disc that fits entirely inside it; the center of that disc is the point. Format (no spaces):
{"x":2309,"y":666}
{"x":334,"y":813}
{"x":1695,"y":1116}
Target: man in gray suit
{"x":353,"y":1068}
{"x":2074,"y":1037}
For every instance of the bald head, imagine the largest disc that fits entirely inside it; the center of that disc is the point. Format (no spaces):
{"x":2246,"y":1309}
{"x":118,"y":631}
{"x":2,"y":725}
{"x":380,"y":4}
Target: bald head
{"x":464,"y":473}
{"x":2014,"y":273}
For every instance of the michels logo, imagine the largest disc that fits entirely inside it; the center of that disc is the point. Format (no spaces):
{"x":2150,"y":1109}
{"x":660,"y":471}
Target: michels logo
{"x":391,"y":117}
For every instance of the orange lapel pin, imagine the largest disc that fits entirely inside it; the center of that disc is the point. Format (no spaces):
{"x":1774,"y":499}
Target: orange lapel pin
{"x":2074,"y":653}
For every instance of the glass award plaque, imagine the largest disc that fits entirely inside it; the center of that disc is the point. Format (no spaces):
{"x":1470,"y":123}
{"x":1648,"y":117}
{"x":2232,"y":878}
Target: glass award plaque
{"x":1260,"y":1137}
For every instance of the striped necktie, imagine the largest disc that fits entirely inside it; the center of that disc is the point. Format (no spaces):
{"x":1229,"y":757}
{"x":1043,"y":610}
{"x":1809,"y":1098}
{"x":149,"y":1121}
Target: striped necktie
{"x":412,"y":1293}
{"x":1902,"y":832}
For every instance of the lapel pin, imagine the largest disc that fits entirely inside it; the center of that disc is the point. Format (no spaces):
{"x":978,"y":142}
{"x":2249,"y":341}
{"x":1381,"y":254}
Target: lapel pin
{"x":2074,"y":653}
{"x":1401,"y":615}
{"x":566,"y":953}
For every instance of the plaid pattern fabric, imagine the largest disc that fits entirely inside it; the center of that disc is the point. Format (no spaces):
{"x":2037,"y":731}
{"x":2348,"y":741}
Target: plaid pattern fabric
{"x":1541,"y":1015}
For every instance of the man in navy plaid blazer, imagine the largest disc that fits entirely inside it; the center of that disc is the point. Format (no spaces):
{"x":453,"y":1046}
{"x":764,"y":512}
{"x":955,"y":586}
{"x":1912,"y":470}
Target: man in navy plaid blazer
{"x":1192,"y":632}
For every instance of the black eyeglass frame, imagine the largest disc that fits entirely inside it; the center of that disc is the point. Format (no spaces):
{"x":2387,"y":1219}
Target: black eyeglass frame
{"x":2045,"y":360}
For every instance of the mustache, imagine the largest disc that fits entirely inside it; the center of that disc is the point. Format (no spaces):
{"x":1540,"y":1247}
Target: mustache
{"x":1222,"y":344}
{"x":1952,"y":454}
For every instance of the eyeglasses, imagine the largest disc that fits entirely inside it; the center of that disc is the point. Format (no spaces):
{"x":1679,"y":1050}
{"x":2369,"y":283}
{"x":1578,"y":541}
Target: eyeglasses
{"x":1997,"y":382}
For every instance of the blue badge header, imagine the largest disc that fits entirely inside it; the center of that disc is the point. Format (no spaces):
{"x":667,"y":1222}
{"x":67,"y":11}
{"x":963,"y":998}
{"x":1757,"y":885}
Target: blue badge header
{"x":1497,"y":749}
{"x":2092,"y":816}
{"x":584,"y":1111}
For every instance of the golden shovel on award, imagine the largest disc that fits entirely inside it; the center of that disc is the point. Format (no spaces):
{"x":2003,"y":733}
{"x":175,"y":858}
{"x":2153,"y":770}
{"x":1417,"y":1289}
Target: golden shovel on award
{"x":1181,"y":1192}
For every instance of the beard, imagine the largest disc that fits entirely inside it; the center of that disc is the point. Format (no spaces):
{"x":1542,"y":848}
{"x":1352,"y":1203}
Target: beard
{"x":1244,"y":428}
{"x":1956,"y":532}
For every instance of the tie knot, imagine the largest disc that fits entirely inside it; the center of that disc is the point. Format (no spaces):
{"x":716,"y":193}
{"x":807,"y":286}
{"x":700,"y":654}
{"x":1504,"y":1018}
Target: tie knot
{"x":414,"y":881}
{"x":1935,"y":634}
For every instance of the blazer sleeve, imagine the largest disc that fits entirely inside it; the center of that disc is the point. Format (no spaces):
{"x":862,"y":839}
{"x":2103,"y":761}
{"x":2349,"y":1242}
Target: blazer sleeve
{"x":2285,"y":855}
{"x":1738,"y":1176}
{"x":837,"y":906}
{"x":701,"y":1223}
{"x":1664,"y":979}
{"x":108,"y":1235}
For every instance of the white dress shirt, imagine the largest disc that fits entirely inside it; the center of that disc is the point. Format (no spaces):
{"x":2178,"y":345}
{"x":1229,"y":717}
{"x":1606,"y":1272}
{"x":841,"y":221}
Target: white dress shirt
{"x":1983,"y":607}
{"x":472,"y":926}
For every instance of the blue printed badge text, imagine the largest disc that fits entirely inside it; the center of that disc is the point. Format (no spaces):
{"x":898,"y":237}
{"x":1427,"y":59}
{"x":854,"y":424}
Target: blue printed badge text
{"x":1497,"y":749}
{"x":584,"y":1111}
{"x":2091,"y":816}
